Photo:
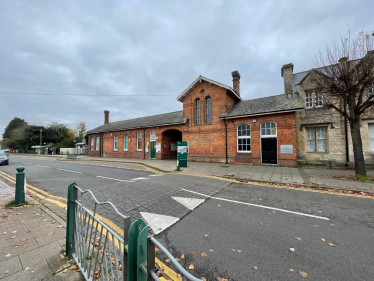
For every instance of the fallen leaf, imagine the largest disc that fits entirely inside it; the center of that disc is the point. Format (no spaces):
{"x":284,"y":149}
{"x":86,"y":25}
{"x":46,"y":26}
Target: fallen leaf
{"x":219,"y":205}
{"x":50,"y":233}
{"x":44,"y":267}
{"x":32,"y":271}
{"x":8,"y":255}
{"x":182,"y":256}
{"x":211,"y":250}
{"x":239,"y":251}
{"x":6,"y":271}
{"x":177,"y":259}
{"x":65,"y":270}
{"x":191,"y":266}
{"x":27,"y":268}
{"x":332,"y":245}
{"x":4,"y":233}
{"x":73,"y":267}
{"x":332,"y":224}
{"x":298,"y":238}
{"x":206,"y":235}
{"x":221,"y":279}
{"x":324,"y":240}
{"x":303,"y":274}
{"x":156,"y":249}
{"x":14,"y":231}
{"x":167,"y":260}
{"x":291,"y":269}
{"x":203,"y":254}
{"x":203,"y":278}
{"x":60,"y":226}
{"x":191,"y":252}
{"x":69,"y":261}
{"x":255,"y":267}
{"x":336,"y":243}
{"x":12,"y":237}
{"x":233,"y":250}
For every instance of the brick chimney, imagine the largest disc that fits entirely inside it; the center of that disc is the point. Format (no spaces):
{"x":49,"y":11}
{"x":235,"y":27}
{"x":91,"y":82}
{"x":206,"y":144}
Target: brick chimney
{"x":236,"y":81}
{"x":106,"y":116}
{"x":287,"y":71}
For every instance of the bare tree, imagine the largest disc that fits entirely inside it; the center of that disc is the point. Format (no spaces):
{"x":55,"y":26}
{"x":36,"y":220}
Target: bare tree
{"x":80,"y":131}
{"x":345,"y":78}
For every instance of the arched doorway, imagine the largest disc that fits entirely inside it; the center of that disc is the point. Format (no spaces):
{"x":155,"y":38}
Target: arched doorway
{"x":169,"y":143}
{"x":269,"y":151}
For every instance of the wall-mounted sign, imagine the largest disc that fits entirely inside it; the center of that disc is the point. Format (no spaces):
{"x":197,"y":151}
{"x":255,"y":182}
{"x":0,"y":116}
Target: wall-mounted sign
{"x":287,"y":149}
{"x":154,"y":138}
{"x":158,"y":147}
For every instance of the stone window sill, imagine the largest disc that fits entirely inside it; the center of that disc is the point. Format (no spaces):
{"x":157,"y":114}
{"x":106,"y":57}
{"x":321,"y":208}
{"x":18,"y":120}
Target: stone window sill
{"x":319,"y":152}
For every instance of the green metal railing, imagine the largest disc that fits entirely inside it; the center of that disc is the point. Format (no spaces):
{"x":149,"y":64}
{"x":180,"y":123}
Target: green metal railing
{"x":103,"y":254}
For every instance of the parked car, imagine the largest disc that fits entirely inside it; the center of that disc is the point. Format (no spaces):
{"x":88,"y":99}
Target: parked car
{"x":4,"y":158}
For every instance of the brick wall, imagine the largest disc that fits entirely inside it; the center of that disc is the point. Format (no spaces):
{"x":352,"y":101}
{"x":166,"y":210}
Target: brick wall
{"x":207,"y":142}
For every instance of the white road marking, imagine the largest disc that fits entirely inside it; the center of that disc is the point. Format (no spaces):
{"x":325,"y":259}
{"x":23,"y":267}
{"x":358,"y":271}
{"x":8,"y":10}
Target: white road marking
{"x":141,"y":178}
{"x":69,"y":171}
{"x":43,"y":166}
{"x":113,"y":179}
{"x":256,"y":205}
{"x":26,"y":163}
{"x":156,"y":175}
{"x":158,"y":222}
{"x":189,"y":203}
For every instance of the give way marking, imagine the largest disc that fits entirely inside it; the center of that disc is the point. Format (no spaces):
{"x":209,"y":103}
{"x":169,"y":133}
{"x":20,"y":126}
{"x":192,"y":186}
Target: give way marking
{"x":256,"y":205}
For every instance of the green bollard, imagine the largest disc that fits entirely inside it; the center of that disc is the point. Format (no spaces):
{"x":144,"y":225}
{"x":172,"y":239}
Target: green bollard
{"x":20,"y":186}
{"x":137,"y":251}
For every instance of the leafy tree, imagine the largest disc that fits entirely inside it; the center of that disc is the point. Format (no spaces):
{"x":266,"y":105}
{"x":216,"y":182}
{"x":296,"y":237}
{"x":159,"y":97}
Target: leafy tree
{"x":345,"y":78}
{"x":13,"y":124}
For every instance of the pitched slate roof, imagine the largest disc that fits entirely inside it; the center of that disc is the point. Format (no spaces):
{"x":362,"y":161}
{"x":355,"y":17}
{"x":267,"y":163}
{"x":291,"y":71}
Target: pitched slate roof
{"x":266,"y":105}
{"x":148,"y":121}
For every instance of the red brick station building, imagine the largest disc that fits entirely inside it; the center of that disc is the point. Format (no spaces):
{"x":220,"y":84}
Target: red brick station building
{"x":217,"y":123}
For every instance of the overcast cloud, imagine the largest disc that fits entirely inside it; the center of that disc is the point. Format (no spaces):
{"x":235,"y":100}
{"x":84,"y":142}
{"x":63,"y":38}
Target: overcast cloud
{"x":154,"y":48}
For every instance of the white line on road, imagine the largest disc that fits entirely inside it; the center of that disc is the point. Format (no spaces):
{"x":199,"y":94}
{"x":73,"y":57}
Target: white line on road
{"x":43,"y":166}
{"x":26,"y":163}
{"x":141,"y":178}
{"x":156,"y":175}
{"x":69,"y":171}
{"x":260,"y":206}
{"x":113,"y":179}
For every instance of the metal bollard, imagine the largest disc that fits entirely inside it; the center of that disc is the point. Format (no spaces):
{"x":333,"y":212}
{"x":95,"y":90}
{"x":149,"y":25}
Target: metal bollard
{"x":20,"y":186}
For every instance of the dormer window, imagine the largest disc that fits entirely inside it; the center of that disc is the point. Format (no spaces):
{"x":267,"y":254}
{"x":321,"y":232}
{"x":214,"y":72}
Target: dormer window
{"x":319,"y":100}
{"x":309,"y":100}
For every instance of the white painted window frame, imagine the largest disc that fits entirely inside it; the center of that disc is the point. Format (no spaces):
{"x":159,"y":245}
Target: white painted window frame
{"x":319,"y":99}
{"x":309,"y":100}
{"x":243,"y":137}
{"x":125,"y":142}
{"x":315,"y":139}
{"x":115,"y":142}
{"x":271,"y":135}
{"x":137,"y":141}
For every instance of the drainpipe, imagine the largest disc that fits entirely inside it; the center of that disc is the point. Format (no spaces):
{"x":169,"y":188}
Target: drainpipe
{"x":227,"y":159}
{"x":346,"y":136}
{"x":143,"y":143}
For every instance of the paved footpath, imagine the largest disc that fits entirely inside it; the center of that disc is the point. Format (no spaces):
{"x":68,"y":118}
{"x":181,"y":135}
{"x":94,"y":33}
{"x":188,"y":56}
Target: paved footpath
{"x":32,"y":241}
{"x":306,"y":175}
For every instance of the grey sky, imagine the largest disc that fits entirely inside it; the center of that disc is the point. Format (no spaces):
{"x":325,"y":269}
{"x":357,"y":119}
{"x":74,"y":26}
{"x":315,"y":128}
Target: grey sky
{"x":156,"y":48}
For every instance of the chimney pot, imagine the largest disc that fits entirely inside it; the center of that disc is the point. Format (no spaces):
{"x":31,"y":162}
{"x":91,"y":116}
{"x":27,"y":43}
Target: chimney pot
{"x":236,"y":82}
{"x":106,"y":116}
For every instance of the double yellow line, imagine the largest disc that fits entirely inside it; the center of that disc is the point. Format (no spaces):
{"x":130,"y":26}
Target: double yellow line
{"x":43,"y":195}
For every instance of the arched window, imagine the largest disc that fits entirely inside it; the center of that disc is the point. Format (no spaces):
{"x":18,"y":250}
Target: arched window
{"x":92,"y":143}
{"x":97,"y":142}
{"x":244,"y":138}
{"x":197,"y":112}
{"x":139,"y":141}
{"x":125,"y":142}
{"x":268,"y":129}
{"x":208,"y":110}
